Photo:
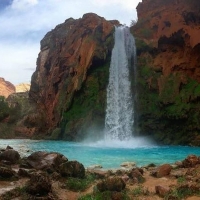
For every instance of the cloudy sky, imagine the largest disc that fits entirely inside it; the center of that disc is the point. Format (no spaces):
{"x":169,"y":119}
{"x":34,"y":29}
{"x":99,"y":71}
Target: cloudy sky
{"x":23,"y":23}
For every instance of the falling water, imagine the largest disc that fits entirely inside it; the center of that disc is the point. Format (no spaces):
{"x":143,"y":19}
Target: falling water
{"x":119,"y":113}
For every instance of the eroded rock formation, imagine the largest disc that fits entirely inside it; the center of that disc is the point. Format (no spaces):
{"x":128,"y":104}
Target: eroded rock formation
{"x":72,"y":62}
{"x":168,"y":43}
{"x":6,"y":88}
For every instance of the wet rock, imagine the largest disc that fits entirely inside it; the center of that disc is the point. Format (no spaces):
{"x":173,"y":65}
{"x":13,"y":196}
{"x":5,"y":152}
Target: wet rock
{"x":111,"y":184}
{"x":8,"y":147}
{"x":128,"y":164}
{"x":72,"y":169}
{"x":39,"y":184}
{"x":46,"y":161}
{"x":10,"y":155}
{"x":190,"y":161}
{"x":94,"y":167}
{"x":162,"y":190}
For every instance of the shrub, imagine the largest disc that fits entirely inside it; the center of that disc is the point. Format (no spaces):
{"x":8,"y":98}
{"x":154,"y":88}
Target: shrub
{"x":76,"y":184}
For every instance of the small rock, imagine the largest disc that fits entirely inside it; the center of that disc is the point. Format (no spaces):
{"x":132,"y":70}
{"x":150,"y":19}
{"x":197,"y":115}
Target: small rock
{"x":136,"y":174}
{"x":111,"y":184}
{"x":99,"y":173}
{"x":23,"y":173}
{"x":125,"y":178}
{"x":178,"y":173}
{"x":191,"y":161}
{"x":72,"y":169}
{"x":39,"y":184}
{"x":95,"y":167}
{"x":8,"y":147}
{"x":10,"y":155}
{"x":162,"y":190}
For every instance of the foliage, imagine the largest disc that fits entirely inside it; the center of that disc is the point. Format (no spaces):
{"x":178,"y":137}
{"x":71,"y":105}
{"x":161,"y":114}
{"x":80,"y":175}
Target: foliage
{"x":107,"y":195}
{"x":181,"y":180}
{"x":88,"y":101}
{"x":4,"y":108}
{"x":133,"y":22}
{"x":139,"y":190}
{"x":180,"y":193}
{"x":76,"y":184}
{"x":142,"y":46}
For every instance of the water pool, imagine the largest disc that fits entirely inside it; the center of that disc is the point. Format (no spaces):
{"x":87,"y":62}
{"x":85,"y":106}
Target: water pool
{"x":109,"y":156}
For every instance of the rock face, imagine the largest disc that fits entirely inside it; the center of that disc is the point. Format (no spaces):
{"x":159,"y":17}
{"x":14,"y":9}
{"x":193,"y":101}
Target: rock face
{"x":6,"y":88}
{"x":168,"y":48}
{"x":71,"y":75}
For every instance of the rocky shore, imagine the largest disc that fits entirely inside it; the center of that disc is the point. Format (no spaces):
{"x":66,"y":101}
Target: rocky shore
{"x":50,"y":175}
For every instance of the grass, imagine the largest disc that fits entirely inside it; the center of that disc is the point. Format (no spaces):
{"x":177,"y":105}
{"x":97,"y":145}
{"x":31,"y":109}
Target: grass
{"x":76,"y":184}
{"x":181,"y":180}
{"x":140,"y":190}
{"x":107,"y":195}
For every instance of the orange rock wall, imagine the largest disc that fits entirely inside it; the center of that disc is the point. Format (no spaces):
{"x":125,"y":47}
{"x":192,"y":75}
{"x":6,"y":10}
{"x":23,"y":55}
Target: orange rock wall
{"x":67,"y":53}
{"x":6,"y":88}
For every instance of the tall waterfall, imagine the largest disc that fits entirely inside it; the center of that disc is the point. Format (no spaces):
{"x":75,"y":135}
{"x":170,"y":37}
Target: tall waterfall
{"x":119,"y":113}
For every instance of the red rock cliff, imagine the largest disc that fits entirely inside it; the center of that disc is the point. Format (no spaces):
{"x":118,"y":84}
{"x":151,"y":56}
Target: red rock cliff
{"x":67,"y":53}
{"x":6,"y":88}
{"x":168,"y":42}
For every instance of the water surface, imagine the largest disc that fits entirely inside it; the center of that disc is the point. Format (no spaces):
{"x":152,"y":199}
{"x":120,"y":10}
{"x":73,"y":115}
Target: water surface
{"x":101,"y":153}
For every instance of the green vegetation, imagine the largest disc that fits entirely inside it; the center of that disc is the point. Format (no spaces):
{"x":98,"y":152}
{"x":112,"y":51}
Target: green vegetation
{"x":181,"y":180}
{"x":181,"y":193}
{"x":139,"y":190}
{"x":88,"y":104}
{"x":168,"y":106}
{"x":4,"y":108}
{"x":107,"y":195}
{"x":142,"y":46}
{"x":76,"y":184}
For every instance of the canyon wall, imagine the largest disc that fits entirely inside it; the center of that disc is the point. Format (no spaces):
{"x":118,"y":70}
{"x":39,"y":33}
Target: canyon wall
{"x":6,"y":88}
{"x":168,"y":47}
{"x":69,"y":84}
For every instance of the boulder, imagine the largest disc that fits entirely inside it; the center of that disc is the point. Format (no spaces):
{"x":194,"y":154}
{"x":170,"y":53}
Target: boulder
{"x":6,"y":172}
{"x":136,"y":174}
{"x":72,"y":169}
{"x":190,"y":161}
{"x":111,"y":184}
{"x":46,"y":161}
{"x":39,"y":184}
{"x":162,"y":190}
{"x":163,"y":170}
{"x":10,"y":155}
{"x":23,"y":173}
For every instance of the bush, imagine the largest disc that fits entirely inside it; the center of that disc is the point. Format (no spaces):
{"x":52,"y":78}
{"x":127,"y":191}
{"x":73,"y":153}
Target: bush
{"x":76,"y":184}
{"x":4,"y":108}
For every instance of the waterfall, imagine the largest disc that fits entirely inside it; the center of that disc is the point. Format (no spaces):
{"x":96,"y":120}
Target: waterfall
{"x":119,"y":112}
